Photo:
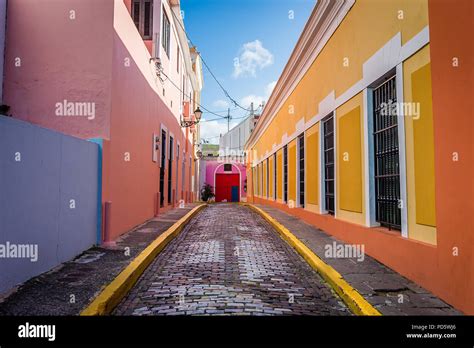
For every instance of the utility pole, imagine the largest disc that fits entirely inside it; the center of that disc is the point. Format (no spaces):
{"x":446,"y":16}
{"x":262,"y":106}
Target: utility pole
{"x":228,"y":120}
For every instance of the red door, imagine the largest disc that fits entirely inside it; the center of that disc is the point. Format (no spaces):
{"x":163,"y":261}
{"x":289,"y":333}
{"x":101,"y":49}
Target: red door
{"x":224,"y":184}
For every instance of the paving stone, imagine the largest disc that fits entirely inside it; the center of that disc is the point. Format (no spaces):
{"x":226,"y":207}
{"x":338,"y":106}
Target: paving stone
{"x":380,"y":285}
{"x":213,"y":268}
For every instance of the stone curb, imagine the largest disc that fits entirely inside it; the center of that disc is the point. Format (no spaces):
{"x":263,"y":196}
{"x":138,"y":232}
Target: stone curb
{"x":353,"y":299}
{"x":115,"y":291}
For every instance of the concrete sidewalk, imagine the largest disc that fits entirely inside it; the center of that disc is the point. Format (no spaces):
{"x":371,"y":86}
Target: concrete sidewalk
{"x":68,"y":289}
{"x":386,"y":290}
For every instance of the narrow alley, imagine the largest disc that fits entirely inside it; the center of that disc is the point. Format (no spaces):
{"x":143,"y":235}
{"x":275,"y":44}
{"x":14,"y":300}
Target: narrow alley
{"x":228,"y":261}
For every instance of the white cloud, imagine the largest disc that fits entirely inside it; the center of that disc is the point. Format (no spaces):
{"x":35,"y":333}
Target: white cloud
{"x":253,"y":56}
{"x":269,"y":89}
{"x":211,"y":130}
{"x":220,"y":104}
{"x":256,"y":99}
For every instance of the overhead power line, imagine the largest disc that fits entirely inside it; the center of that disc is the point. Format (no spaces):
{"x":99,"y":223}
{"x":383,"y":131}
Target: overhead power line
{"x":192,"y":99}
{"x":209,"y":69}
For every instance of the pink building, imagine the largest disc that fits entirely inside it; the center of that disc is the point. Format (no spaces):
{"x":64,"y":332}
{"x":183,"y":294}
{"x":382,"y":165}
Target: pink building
{"x":88,"y":68}
{"x":228,"y":179}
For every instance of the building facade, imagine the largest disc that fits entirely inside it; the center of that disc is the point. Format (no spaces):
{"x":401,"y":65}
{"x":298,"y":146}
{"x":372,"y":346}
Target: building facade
{"x":232,"y":143}
{"x":361,"y":139}
{"x":120,"y":73}
{"x":228,"y":179}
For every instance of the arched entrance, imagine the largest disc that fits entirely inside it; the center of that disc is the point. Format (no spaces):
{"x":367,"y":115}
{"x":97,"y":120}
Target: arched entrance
{"x":227,"y":183}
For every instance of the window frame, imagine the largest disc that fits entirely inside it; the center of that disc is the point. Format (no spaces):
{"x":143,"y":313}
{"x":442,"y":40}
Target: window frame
{"x":166,"y":33}
{"x":141,"y":17}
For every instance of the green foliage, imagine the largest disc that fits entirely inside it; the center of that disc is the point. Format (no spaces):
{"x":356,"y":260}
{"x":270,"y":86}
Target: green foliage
{"x":207,"y":192}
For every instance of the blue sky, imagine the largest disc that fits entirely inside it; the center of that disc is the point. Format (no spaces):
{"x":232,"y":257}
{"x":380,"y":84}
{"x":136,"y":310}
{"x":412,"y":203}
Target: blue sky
{"x":246,"y":43}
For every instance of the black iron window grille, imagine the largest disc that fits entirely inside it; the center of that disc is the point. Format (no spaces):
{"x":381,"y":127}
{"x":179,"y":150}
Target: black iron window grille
{"x":386,"y":146}
{"x":329,"y":178}
{"x":301,"y":169}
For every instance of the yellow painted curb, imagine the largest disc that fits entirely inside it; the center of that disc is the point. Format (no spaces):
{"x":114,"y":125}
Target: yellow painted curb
{"x":355,"y":301}
{"x":113,"y":293}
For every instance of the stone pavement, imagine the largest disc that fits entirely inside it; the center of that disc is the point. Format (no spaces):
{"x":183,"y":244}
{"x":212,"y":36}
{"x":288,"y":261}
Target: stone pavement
{"x":68,"y":289}
{"x":386,"y":290}
{"x":229,"y":261}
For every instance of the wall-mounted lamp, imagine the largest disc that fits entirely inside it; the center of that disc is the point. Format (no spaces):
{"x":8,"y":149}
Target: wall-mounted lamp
{"x":197,"y":115}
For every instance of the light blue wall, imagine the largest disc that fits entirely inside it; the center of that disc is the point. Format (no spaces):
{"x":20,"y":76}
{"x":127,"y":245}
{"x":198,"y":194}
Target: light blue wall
{"x":35,"y":196}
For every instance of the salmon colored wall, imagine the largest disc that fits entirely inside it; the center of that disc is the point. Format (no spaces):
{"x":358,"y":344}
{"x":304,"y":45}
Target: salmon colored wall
{"x":47,"y":74}
{"x":111,"y":70}
{"x":451,"y":30}
{"x":137,"y":112}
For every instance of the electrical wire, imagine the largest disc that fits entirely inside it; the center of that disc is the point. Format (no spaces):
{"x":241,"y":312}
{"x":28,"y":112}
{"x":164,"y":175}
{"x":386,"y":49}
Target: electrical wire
{"x":192,"y":99}
{"x":208,"y":68}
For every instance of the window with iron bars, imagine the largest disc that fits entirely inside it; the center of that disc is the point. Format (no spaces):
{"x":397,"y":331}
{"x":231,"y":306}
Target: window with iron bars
{"x":329,"y":179}
{"x":386,"y":152}
{"x":301,"y":169}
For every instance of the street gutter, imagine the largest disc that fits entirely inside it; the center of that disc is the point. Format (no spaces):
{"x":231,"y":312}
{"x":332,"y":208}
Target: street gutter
{"x":113,"y":293}
{"x":352,"y":298}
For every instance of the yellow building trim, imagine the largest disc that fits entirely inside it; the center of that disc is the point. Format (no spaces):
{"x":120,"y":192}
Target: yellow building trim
{"x":265,"y":186}
{"x":423,"y":134}
{"x":271,"y":177}
{"x":292,"y":171}
{"x":414,"y":133}
{"x":279,"y":174}
{"x":350,"y":161}
{"x":312,"y":167}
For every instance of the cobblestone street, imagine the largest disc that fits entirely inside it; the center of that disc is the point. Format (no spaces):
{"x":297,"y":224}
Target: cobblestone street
{"x":229,"y":261}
